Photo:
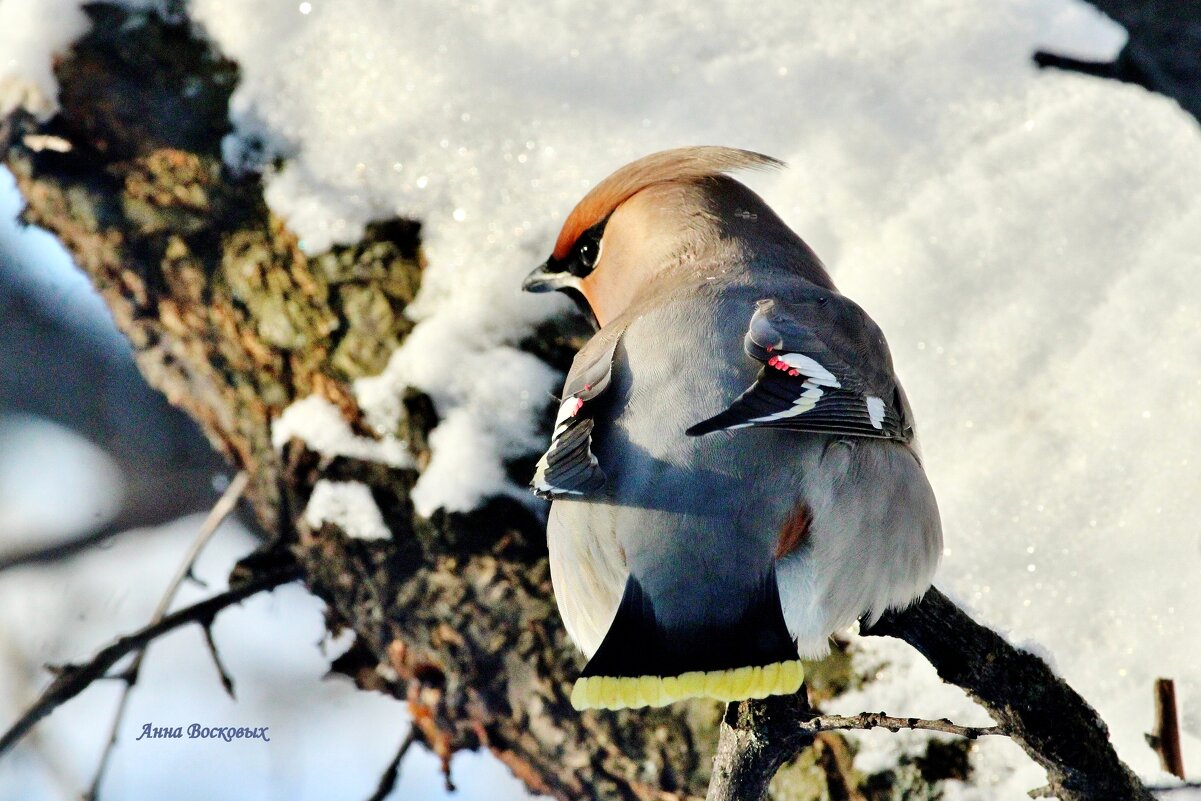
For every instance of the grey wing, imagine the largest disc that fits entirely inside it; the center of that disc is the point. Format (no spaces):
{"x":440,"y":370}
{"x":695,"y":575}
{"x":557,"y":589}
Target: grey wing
{"x":826,"y":369}
{"x":569,"y":468}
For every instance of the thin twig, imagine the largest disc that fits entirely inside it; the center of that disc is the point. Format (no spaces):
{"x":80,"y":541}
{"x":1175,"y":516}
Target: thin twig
{"x":75,"y":679}
{"x":1098,"y":69}
{"x":222,"y":509}
{"x":878,"y":720}
{"x":387,"y":782}
{"x":216,"y":516}
{"x":227,"y":682}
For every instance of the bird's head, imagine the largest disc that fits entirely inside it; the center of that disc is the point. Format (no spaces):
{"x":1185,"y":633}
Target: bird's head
{"x":645,"y":218}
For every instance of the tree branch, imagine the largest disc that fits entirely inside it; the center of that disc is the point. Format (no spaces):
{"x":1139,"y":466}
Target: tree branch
{"x":1052,"y":723}
{"x":74,"y":679}
{"x":43,"y":554}
{"x":234,"y":322}
{"x":755,"y":739}
{"x":1160,"y":53}
{"x":1171,"y":788}
{"x":71,"y":377}
{"x":1097,"y":69}
{"x":1046,"y":717}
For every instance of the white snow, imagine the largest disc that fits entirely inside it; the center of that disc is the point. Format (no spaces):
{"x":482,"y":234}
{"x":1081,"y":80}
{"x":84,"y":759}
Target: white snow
{"x":31,"y":33}
{"x":1026,"y":240}
{"x":317,"y":422}
{"x":349,"y":506}
{"x":488,"y":397}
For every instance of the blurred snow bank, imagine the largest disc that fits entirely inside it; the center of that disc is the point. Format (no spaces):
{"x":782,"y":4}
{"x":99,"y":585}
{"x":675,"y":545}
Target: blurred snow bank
{"x":53,"y":483}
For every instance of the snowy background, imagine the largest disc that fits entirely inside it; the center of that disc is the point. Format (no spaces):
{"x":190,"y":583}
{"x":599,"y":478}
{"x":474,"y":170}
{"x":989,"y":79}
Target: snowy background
{"x":1028,"y":241}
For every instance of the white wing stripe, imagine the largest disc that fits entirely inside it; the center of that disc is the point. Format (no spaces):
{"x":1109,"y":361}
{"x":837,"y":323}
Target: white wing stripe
{"x":875,"y":411}
{"x":807,"y":400}
{"x":811,"y":368}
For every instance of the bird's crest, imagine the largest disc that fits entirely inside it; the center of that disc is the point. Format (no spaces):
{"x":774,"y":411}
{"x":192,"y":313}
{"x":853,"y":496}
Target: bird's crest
{"x":681,"y":164}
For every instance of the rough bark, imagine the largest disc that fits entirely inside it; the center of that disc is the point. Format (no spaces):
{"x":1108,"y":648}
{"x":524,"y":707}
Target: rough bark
{"x":232,"y":322}
{"x":755,"y":740}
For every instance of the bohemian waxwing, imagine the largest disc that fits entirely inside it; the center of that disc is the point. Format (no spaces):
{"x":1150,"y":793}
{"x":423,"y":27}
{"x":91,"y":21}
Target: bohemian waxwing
{"x":733,"y":467}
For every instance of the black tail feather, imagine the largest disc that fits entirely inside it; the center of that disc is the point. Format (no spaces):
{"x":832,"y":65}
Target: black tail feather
{"x":637,"y":644}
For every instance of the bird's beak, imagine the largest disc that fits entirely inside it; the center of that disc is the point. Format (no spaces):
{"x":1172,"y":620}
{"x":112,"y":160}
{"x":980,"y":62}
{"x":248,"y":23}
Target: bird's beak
{"x":542,"y":280}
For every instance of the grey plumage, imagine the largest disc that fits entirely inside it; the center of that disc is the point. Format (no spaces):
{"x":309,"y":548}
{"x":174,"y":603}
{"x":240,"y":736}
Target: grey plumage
{"x":735,"y":426}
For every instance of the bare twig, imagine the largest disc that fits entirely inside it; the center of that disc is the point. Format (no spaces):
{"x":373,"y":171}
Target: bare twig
{"x":1033,"y":706}
{"x":222,"y":509}
{"x":1160,"y":52}
{"x":1160,"y":789}
{"x":216,"y":516}
{"x":25,"y":678}
{"x":387,"y":782}
{"x":76,"y":678}
{"x":1166,"y":737}
{"x":227,"y":682}
{"x":1098,"y":69}
{"x":878,"y":720}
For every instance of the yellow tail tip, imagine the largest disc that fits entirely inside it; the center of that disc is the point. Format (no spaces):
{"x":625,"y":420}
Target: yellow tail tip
{"x":629,"y":692}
